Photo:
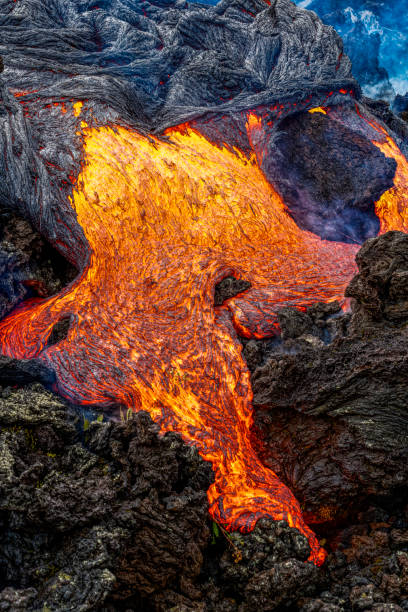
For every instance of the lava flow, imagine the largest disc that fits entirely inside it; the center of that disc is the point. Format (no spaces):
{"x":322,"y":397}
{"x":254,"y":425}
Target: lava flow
{"x":165,"y":221}
{"x":392,"y":208}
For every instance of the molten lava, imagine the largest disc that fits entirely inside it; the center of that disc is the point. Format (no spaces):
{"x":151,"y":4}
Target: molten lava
{"x":392,"y":208}
{"x":165,"y":221}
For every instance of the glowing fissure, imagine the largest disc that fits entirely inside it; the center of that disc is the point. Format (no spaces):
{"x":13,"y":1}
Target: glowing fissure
{"x":165,"y":221}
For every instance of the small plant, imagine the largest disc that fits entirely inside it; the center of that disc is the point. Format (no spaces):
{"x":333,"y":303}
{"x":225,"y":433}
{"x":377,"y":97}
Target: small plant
{"x":215,"y":533}
{"x":31,"y":440}
{"x":87,"y":422}
{"x":217,"y":529}
{"x":125,"y":416}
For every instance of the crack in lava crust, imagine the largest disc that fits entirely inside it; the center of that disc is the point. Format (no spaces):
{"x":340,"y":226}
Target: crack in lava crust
{"x":165,"y":221}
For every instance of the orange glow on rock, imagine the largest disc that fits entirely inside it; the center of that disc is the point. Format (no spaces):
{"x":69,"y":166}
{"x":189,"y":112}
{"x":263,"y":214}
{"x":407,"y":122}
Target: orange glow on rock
{"x":165,"y":221}
{"x":318,"y":109}
{"x":77,"y":106}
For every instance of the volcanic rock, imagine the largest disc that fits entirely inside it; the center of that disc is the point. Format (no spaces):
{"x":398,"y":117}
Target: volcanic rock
{"x":23,"y":371}
{"x":109,"y":516}
{"x":129,"y":501}
{"x":29,"y":265}
{"x":59,"y":331}
{"x":329,"y":190}
{"x":333,"y":417}
{"x":229,"y":287}
{"x":380,"y":290}
{"x":270,"y":568}
{"x":94,"y":514}
{"x":391,"y":116}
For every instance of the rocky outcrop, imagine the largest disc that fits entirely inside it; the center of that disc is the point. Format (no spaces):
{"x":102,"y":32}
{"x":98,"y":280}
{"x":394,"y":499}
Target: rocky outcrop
{"x":127,"y":502}
{"x":333,"y":413}
{"x":368,"y":568}
{"x":108,"y":516}
{"x":16,"y":372}
{"x":97,"y":515}
{"x":29,"y":265}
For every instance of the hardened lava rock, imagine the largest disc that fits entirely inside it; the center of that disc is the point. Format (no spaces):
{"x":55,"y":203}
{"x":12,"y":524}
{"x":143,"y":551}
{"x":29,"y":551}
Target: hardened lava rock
{"x":15,"y":372}
{"x":331,"y":399}
{"x":380,"y":289}
{"x":29,"y":266}
{"x":126,"y":512}
{"x":329,"y":189}
{"x":270,"y":566}
{"x":108,"y":515}
{"x":392,"y":116}
{"x":229,"y":287}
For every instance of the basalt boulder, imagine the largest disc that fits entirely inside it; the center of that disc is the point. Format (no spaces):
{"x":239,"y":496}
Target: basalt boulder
{"x":330,"y":400}
{"x":329,"y":189}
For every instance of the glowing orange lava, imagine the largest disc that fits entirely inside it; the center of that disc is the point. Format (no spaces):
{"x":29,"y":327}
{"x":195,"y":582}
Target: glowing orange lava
{"x":318,"y":109}
{"x":391,"y":208}
{"x":165,"y":221}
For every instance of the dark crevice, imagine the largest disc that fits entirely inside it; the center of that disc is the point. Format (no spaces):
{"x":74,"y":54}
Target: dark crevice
{"x":228,"y":288}
{"x":59,"y":331}
{"x":38,"y":268}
